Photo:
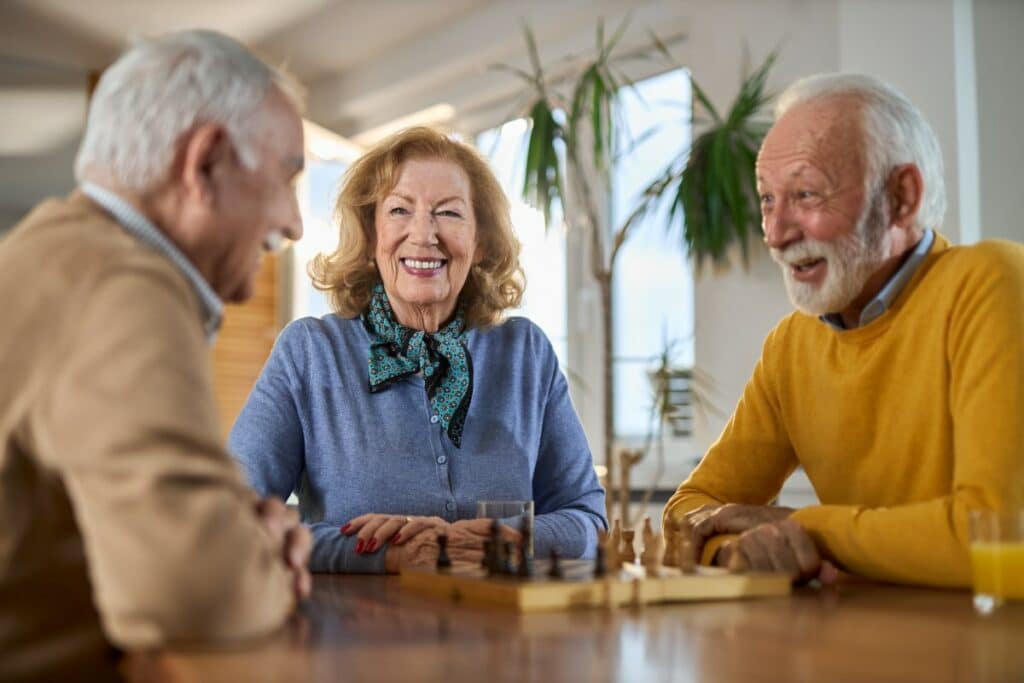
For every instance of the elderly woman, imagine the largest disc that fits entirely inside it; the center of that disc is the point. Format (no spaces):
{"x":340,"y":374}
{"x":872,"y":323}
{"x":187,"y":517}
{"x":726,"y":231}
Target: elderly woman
{"x":392,"y":417}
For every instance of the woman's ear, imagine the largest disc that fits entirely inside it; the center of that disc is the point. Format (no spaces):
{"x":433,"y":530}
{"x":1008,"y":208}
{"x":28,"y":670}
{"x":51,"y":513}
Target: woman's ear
{"x":206,"y":150}
{"x":905,"y":189}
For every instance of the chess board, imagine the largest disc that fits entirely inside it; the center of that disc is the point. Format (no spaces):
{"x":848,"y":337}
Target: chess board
{"x":470,"y":585}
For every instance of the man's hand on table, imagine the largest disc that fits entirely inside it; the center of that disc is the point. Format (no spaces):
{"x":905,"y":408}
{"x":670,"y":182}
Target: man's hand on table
{"x":782,"y":546}
{"x":286,"y":531}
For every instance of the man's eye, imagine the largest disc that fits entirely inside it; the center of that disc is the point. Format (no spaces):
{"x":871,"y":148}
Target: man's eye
{"x":765,"y":199}
{"x":806,"y":194}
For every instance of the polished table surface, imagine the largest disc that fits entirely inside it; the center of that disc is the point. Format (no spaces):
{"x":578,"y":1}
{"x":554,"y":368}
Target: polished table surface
{"x":359,"y":628}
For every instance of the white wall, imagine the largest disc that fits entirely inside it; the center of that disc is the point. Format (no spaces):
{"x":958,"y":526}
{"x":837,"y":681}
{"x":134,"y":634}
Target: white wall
{"x":998,"y":26}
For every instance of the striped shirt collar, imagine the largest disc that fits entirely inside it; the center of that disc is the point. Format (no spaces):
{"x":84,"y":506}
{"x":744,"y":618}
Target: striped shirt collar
{"x":142,"y":228}
{"x":883,"y":300}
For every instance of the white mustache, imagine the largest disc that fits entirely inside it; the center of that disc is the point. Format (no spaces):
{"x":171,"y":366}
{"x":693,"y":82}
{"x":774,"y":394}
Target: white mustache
{"x":801,"y":251}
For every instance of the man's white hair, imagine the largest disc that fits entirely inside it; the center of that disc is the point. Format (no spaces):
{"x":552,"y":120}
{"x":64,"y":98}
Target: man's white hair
{"x":895,"y":131}
{"x":160,"y":89}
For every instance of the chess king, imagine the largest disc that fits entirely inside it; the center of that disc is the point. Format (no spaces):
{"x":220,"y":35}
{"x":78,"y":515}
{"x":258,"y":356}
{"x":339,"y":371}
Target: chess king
{"x":897,"y":384}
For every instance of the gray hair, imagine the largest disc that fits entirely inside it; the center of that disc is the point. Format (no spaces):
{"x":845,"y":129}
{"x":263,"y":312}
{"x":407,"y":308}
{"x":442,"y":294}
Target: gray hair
{"x":895,"y":130}
{"x":160,"y":89}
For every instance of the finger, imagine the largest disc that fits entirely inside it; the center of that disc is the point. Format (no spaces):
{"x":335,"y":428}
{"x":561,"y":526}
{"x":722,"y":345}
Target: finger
{"x":755,"y":555}
{"x":387,"y":531}
{"x":303,"y":584}
{"x":805,"y":552}
{"x":273,"y":516}
{"x":365,"y":542}
{"x":298,"y":546}
{"x":356,"y":523}
{"x":780,"y":555}
{"x":417,"y":525}
{"x":466,"y":555}
{"x":828,"y":574}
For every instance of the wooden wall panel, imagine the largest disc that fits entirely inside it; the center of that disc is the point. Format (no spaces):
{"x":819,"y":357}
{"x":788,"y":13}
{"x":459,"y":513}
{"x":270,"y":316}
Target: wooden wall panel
{"x":244,"y":343}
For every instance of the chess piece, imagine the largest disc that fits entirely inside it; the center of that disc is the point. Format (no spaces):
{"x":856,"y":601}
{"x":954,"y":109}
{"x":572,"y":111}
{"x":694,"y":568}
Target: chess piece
{"x":555,"y":570}
{"x":600,"y":566}
{"x":615,"y":538}
{"x":612,"y":556}
{"x":485,"y":561}
{"x":671,"y":551}
{"x":508,"y":551}
{"x":493,"y":548}
{"x":628,"y":552}
{"x":647,"y":534}
{"x":444,"y":563}
{"x":651,"y":556}
{"x":684,"y":555}
{"x":525,"y":568}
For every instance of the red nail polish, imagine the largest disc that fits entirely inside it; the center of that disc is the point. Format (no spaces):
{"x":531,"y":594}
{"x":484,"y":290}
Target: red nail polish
{"x":394,"y":539}
{"x":372,"y":545}
{"x":346,"y":528}
{"x":359,"y":546}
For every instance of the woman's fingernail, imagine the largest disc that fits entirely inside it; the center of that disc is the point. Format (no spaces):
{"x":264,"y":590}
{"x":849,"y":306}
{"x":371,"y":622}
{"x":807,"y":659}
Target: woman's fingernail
{"x":394,"y":539}
{"x":346,"y":528}
{"x":372,"y":545}
{"x":359,"y":546}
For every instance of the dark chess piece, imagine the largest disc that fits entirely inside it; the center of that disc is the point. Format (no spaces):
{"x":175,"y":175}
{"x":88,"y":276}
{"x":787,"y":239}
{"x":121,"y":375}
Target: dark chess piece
{"x":492,"y":550}
{"x":508,"y":551}
{"x":600,"y":566}
{"x":485,"y":561}
{"x":555,"y":571}
{"x":525,"y":561}
{"x":444,"y":562}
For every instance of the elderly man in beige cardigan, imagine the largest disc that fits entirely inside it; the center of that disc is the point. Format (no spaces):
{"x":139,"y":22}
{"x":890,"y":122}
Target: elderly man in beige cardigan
{"x":123,"y":522}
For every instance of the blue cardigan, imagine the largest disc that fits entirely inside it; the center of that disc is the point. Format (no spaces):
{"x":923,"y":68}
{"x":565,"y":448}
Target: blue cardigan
{"x":312,"y":426}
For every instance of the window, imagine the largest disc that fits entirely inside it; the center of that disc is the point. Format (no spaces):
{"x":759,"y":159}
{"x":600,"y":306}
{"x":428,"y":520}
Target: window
{"x":543,"y":254}
{"x":652,"y":284}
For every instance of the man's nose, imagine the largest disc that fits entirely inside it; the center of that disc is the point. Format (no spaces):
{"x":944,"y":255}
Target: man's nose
{"x":780,"y":230}
{"x":292,"y":228}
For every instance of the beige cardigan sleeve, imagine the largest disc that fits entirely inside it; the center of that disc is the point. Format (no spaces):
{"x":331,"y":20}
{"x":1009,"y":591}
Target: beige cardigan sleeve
{"x":175,"y":549}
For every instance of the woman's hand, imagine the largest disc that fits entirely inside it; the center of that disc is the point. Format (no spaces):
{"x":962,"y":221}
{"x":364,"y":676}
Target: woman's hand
{"x":374,"y":530}
{"x":465,"y":544}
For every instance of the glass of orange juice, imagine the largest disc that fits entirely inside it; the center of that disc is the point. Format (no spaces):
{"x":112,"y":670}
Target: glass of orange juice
{"x":997,"y":558}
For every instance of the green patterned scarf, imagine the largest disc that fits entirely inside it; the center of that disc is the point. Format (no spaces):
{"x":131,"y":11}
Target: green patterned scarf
{"x":397,"y":352}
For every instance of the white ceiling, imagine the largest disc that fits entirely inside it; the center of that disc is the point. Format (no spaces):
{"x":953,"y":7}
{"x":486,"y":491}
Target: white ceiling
{"x":365,"y":62}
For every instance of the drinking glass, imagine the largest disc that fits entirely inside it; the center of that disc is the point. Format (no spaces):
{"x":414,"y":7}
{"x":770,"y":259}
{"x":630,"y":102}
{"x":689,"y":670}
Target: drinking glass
{"x":513,"y":513}
{"x":997,"y":557}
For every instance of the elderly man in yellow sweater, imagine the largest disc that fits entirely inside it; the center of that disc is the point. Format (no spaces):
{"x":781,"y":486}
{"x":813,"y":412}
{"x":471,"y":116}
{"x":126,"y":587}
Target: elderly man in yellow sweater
{"x":898,"y":384}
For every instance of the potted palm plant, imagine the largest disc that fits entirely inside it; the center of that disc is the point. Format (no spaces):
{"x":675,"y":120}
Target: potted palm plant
{"x":575,"y":125}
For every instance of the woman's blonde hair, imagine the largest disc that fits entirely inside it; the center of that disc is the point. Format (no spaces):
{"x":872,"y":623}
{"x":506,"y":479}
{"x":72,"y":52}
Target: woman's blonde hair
{"x":349,"y":274}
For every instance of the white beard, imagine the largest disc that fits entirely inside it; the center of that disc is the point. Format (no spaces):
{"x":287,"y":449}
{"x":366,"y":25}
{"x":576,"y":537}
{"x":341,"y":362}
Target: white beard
{"x":850,"y":261}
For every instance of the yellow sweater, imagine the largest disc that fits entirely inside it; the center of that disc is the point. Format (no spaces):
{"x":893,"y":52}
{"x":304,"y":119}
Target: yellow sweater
{"x":902,"y":425}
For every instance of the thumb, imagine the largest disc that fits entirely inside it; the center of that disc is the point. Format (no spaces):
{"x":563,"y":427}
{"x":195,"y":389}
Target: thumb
{"x":828,"y":574}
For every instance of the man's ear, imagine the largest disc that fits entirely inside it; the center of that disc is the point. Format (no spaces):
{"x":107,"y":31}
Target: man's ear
{"x":206,"y":149}
{"x":905,"y":189}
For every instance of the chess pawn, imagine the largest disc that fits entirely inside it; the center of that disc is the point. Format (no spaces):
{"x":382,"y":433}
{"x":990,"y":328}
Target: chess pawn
{"x":669,"y":556}
{"x":627,"y":551}
{"x":612,"y":558}
{"x":648,"y":532}
{"x":615,"y":538}
{"x":651,"y":556}
{"x":555,"y":570}
{"x":684,"y":555}
{"x":444,"y":562}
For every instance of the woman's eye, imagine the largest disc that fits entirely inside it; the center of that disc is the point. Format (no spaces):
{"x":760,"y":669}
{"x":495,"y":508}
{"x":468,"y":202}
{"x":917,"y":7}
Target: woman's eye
{"x":449,"y":213}
{"x":397,"y":211}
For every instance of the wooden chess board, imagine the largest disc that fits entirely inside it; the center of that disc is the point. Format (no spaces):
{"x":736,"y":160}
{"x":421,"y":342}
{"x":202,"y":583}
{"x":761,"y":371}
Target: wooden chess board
{"x":470,"y":585}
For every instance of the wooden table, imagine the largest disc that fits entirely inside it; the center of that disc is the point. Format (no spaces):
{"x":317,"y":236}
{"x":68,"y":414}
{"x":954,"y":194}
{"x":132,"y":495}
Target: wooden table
{"x":359,"y":628}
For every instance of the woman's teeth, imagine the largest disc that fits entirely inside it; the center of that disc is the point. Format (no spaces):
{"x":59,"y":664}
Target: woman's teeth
{"x":423,"y":265}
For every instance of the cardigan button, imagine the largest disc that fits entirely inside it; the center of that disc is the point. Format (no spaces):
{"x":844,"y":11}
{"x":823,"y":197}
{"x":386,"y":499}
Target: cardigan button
{"x":434,"y":419}
{"x":441,"y":460}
